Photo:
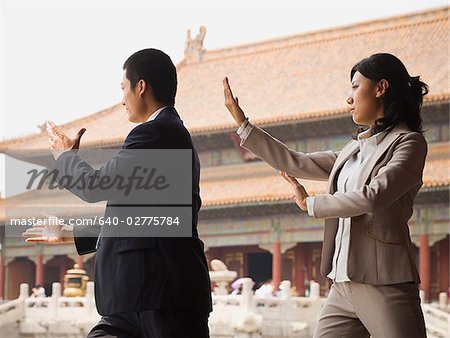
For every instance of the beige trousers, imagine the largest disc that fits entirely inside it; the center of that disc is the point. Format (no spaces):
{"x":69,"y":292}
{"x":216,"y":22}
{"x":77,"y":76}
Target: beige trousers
{"x":364,"y":310}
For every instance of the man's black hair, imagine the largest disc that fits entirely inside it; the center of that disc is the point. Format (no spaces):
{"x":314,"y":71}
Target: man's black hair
{"x":157,"y":70}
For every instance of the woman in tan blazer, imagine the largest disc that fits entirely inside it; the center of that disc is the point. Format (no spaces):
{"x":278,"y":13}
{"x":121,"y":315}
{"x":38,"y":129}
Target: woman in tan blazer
{"x":372,"y":182}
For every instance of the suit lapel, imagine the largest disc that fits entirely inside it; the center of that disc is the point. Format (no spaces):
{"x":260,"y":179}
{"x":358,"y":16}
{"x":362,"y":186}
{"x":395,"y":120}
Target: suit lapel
{"x":353,"y":147}
{"x":348,"y":151}
{"x":382,"y":147}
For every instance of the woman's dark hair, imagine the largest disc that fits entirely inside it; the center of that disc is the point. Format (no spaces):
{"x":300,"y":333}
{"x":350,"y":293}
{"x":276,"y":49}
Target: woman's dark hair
{"x":404,"y":96}
{"x":157,"y":70}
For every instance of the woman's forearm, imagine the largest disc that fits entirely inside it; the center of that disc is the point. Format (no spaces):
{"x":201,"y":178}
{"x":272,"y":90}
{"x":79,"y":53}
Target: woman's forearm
{"x":312,"y":166}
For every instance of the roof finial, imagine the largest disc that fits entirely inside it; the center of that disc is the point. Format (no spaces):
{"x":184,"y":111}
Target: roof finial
{"x":42,"y":127}
{"x":194,"y":46}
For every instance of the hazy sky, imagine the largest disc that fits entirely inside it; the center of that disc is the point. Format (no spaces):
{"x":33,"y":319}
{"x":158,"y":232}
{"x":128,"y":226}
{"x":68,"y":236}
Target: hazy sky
{"x":61,"y":60}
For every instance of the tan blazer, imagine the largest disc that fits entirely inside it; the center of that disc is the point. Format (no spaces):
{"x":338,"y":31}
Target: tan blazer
{"x":380,"y":249}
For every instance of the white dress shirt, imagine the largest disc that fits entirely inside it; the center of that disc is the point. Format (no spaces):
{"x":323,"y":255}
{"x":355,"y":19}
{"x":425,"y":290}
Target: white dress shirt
{"x":346,"y":182}
{"x":155,"y":114}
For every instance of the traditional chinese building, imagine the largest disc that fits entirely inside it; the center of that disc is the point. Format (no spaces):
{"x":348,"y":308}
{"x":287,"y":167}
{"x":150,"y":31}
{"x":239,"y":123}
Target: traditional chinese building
{"x":295,"y":87}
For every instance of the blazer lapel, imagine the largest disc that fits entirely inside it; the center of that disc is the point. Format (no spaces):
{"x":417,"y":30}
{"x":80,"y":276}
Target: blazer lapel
{"x":346,"y":152}
{"x":382,"y":147}
{"x":353,"y":147}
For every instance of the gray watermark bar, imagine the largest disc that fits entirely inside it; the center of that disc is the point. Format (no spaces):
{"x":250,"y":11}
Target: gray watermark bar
{"x":129,"y":192}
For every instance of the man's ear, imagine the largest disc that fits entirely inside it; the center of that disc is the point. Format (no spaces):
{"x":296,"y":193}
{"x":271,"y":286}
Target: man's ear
{"x":142,"y":87}
{"x":381,"y":88}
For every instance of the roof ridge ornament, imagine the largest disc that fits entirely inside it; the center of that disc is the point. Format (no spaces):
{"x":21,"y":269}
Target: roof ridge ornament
{"x":194,"y":50}
{"x":42,"y":127}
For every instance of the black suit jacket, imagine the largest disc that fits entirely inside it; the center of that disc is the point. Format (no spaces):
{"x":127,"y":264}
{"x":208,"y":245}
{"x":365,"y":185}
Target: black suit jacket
{"x":144,"y":273}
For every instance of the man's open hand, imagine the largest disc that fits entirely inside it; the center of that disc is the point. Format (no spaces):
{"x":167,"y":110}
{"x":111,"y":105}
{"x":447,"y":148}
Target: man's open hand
{"x":50,"y":232}
{"x":59,"y":142}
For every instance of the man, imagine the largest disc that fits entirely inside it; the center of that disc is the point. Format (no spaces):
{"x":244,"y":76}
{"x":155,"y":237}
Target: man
{"x":144,"y":286}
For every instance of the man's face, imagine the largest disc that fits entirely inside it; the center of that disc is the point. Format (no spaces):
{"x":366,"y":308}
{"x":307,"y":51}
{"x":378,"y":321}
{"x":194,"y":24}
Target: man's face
{"x":131,"y":100}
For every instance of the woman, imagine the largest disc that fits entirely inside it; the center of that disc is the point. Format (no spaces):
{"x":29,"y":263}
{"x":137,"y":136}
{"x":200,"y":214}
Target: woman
{"x":372,"y":182}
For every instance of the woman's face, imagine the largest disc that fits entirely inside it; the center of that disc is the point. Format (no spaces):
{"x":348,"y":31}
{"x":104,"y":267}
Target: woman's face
{"x":364,"y":100}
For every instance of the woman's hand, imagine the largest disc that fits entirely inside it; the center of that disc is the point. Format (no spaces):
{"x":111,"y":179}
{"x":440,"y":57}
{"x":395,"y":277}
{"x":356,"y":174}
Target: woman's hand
{"x":300,"y":193}
{"x":232,"y":103}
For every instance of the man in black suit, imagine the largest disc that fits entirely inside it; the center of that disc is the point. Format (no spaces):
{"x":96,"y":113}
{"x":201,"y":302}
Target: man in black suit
{"x":144,"y":286}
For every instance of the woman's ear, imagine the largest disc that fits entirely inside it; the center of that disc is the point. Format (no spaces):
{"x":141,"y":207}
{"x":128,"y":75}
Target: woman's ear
{"x":381,"y":88}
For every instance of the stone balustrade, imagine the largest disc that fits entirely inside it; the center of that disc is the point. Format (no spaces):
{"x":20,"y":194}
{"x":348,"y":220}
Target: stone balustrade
{"x":234,"y":316}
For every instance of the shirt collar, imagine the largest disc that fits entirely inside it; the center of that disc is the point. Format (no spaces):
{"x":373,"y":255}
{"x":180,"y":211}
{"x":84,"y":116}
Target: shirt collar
{"x":376,"y":139}
{"x":155,"y":114}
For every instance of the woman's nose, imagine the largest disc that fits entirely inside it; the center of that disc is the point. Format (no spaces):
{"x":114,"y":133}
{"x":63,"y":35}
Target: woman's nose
{"x":350,"y":100}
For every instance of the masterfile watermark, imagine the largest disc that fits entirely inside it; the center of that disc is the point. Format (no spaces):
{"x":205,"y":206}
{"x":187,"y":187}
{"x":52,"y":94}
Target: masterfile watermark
{"x":33,"y":221}
{"x":140,"y":221}
{"x":140,"y":179}
{"x":122,"y":192}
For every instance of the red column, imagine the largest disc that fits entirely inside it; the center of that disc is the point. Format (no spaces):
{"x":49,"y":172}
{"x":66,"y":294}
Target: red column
{"x":80,"y":262}
{"x":2,"y":278}
{"x":276,"y":265}
{"x":300,"y":268}
{"x":425,"y":275}
{"x":444,"y":264}
{"x":39,"y":280}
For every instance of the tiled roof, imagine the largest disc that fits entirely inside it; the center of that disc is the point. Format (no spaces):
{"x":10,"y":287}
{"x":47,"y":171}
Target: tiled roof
{"x":107,"y":127}
{"x":437,"y":167}
{"x":291,"y":78}
{"x":252,"y":183}
{"x":58,"y":203}
{"x":308,"y":75}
